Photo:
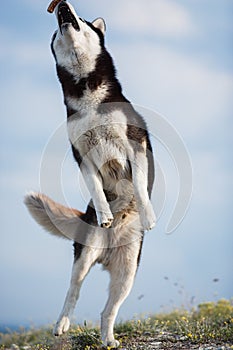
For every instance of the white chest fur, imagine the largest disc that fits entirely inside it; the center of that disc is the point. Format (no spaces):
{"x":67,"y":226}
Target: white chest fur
{"x":90,"y":100}
{"x":100,"y":137}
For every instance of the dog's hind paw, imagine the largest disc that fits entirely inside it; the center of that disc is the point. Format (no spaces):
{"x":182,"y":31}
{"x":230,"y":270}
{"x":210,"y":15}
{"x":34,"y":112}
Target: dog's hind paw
{"x":111,"y":344}
{"x":61,"y":326}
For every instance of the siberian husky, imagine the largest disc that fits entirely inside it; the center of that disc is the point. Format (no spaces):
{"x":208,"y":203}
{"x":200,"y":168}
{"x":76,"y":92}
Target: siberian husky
{"x":111,"y":145}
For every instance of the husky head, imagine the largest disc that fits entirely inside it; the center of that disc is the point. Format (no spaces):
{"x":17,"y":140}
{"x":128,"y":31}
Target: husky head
{"x":77,"y":43}
{"x":84,"y":67}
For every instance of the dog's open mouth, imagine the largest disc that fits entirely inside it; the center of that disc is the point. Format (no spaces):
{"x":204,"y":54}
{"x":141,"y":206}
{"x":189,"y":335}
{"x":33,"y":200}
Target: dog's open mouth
{"x":65,"y":16}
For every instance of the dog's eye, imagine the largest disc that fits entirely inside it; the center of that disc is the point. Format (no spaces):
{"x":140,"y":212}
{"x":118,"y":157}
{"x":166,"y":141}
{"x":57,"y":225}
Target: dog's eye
{"x":81,"y":19}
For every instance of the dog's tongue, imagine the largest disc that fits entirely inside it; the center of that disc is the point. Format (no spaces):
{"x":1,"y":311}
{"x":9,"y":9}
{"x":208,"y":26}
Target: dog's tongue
{"x":53,"y":4}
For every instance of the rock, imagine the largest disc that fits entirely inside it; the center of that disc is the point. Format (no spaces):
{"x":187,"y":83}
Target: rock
{"x":183,"y":338}
{"x":14,"y":347}
{"x":156,"y":344}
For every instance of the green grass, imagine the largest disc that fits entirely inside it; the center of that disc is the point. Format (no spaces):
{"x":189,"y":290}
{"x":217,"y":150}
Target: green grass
{"x":209,"y":323}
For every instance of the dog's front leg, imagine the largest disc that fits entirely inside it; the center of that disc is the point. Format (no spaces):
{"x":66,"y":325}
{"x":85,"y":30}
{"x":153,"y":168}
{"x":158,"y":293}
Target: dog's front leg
{"x":139,"y":165}
{"x":95,"y":187}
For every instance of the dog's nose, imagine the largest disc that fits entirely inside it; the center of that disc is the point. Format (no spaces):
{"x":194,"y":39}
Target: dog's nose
{"x":62,"y":3}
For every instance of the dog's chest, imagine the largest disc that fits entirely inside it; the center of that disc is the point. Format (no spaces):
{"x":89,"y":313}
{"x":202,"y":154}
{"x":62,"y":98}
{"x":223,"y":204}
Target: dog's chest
{"x":100,"y":137}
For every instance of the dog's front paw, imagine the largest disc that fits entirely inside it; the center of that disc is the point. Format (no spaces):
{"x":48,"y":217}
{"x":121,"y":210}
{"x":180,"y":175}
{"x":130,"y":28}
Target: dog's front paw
{"x":105,"y":219}
{"x":148,"y":218}
{"x":62,"y":326}
{"x":107,"y":223}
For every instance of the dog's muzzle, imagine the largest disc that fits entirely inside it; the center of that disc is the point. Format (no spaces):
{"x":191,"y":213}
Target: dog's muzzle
{"x":65,"y":16}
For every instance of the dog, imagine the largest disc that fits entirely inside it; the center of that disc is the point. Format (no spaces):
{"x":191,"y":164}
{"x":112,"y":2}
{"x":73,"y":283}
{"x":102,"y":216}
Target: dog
{"x":111,"y":145}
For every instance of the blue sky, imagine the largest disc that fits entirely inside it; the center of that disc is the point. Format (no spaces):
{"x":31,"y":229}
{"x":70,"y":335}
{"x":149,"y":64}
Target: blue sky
{"x":173,"y":57}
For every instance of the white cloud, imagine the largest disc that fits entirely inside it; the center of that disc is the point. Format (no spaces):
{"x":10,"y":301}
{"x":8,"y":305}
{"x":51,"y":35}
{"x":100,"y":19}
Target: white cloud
{"x":36,"y":108}
{"x":200,"y":96}
{"x":213,"y":181}
{"x":192,"y":95}
{"x":160,"y":17}
{"x":24,"y":52}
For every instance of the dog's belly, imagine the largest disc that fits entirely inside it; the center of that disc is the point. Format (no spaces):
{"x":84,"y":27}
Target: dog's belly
{"x":111,"y":163}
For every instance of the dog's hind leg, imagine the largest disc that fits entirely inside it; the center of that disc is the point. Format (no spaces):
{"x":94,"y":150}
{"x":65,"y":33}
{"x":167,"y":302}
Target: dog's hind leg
{"x":122,"y":274}
{"x":80,"y":269}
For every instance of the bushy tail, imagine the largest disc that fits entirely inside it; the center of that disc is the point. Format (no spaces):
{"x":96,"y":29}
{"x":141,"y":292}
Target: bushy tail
{"x":53,"y":217}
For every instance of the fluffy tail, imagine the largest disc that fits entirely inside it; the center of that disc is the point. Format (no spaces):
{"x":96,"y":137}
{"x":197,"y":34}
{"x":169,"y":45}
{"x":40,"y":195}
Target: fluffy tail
{"x":53,"y":217}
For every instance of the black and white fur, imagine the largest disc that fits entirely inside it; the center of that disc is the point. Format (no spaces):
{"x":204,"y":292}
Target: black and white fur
{"x":110,"y":143}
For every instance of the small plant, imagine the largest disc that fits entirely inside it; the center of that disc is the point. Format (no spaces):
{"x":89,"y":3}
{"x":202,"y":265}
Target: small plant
{"x":85,"y":339}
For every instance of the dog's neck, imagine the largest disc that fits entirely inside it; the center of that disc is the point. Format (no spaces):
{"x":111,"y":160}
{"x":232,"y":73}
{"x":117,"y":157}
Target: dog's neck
{"x":88,"y":91}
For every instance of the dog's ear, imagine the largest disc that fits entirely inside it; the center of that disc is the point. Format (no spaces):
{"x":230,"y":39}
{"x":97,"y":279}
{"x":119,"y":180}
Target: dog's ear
{"x":100,"y":24}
